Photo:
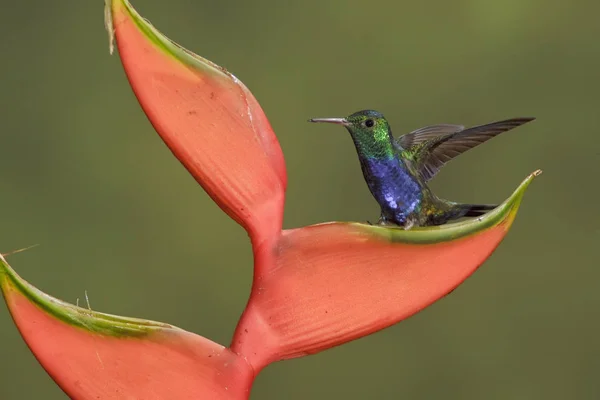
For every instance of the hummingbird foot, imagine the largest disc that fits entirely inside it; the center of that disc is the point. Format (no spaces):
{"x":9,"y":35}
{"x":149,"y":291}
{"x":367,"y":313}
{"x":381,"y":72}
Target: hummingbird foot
{"x":383,"y":221}
{"x":386,"y":222}
{"x":410,"y":222}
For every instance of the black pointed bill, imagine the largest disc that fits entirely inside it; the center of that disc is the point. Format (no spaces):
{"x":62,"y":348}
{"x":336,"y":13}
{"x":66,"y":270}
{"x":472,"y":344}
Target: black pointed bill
{"x":339,"y":121}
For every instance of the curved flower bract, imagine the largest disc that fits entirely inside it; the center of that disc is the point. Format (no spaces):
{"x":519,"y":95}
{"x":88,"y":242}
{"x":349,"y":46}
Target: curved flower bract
{"x":209,"y":120}
{"x":336,"y":282}
{"x":92,"y":355}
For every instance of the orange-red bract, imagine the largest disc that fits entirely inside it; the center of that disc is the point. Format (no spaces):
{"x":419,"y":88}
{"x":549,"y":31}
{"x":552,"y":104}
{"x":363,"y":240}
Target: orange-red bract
{"x":332,"y":283}
{"x":314,"y":287}
{"x":209,"y":119}
{"x":92,"y":355}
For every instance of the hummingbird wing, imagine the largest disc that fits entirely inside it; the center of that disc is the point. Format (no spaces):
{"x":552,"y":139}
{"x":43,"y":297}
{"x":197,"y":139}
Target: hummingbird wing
{"x":417,"y":137}
{"x":431,"y":152}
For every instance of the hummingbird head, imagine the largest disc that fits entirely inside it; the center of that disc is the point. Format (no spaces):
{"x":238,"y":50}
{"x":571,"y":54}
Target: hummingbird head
{"x":370,"y":132}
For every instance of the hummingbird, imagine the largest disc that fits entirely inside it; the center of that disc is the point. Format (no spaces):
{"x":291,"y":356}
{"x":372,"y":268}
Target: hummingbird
{"x":397,"y":170}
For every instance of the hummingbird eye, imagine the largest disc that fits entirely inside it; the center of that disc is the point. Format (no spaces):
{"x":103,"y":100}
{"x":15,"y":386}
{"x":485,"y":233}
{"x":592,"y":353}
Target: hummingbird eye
{"x":369,"y":123}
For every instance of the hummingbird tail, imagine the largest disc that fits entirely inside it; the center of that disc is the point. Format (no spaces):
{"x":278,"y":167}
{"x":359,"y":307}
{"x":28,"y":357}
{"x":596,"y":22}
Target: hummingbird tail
{"x":473,"y":210}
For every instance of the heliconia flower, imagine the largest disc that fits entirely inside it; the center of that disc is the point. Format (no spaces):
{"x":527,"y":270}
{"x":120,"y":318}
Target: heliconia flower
{"x":209,"y":120}
{"x":91,"y":355}
{"x":332,"y":283}
{"x":314,"y":287}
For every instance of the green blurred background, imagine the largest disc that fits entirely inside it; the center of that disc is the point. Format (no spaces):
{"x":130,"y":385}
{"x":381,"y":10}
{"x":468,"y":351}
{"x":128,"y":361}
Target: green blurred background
{"x":84,"y":175}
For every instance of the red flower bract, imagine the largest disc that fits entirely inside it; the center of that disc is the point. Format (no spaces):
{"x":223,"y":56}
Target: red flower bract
{"x":92,"y":355}
{"x":209,"y":119}
{"x":314,"y":287}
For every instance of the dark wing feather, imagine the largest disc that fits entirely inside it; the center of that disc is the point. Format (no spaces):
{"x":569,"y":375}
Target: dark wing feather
{"x":431,"y":156}
{"x":425,"y":134}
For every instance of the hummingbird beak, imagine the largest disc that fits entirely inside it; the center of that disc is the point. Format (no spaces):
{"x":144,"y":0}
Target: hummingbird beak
{"x":339,"y":121}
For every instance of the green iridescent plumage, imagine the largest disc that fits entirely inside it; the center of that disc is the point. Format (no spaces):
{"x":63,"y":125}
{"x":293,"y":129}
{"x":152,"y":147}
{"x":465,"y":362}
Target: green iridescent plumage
{"x":397,"y":170}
